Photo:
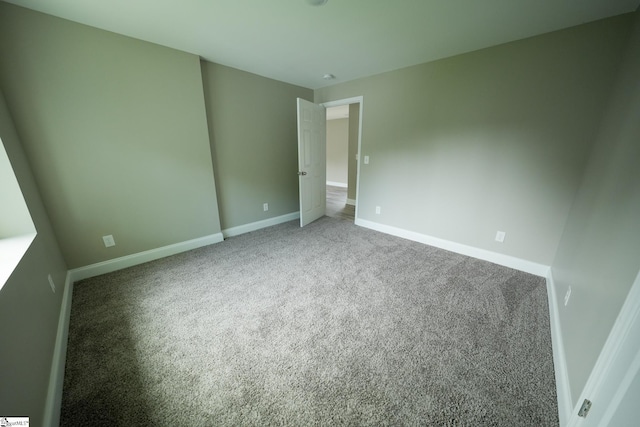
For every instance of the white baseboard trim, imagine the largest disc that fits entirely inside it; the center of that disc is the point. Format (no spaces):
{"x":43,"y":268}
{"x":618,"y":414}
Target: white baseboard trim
{"x":565,"y":402}
{"x":337,"y":184}
{"x":483,"y":254}
{"x":253,"y":226}
{"x":56,"y":376}
{"x":351,"y":202}
{"x":142,"y":257}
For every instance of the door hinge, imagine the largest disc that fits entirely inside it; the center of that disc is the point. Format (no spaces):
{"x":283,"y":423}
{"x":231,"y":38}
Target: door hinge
{"x":584,"y":409}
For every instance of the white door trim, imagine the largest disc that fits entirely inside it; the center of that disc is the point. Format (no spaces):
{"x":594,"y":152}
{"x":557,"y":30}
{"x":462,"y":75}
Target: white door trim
{"x":617,"y":365}
{"x":354,"y":100}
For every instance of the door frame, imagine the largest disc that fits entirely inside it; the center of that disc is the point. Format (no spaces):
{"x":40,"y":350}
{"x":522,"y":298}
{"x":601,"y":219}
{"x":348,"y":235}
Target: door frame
{"x":616,"y":367}
{"x":354,"y":100}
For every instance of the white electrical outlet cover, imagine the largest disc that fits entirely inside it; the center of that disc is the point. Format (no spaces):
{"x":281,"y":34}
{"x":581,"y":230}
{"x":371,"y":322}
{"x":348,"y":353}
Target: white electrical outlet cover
{"x":500,"y":235}
{"x":108,"y":241}
{"x":567,"y":296}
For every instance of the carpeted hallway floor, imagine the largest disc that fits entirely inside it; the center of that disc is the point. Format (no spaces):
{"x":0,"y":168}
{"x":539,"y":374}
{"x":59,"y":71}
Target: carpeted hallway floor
{"x":331,"y":324}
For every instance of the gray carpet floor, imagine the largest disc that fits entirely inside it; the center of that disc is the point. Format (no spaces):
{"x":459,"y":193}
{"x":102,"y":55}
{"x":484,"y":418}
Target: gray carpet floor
{"x":332,"y":324}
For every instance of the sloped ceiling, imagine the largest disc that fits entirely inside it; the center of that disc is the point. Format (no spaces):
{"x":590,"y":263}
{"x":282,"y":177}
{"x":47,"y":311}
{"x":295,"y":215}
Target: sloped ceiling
{"x":294,"y":42}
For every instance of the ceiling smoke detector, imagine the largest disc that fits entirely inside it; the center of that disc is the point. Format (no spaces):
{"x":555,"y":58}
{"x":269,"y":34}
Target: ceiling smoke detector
{"x":317,"y":2}
{"x":328,"y":76}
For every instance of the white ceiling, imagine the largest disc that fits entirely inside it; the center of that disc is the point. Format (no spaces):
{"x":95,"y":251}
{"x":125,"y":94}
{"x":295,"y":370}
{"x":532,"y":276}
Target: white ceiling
{"x":291,"y":41}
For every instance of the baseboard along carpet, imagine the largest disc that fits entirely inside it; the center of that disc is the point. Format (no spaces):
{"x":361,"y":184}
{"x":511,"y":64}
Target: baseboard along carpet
{"x":331,"y":324}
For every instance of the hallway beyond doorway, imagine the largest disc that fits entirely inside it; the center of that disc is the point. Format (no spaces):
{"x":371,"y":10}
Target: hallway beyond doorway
{"x":337,"y":206}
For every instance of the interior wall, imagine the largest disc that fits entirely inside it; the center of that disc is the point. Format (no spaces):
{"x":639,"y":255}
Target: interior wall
{"x":491,"y":140}
{"x":115,"y":129}
{"x":354,"y":130}
{"x":253,"y":132}
{"x":338,"y":151}
{"x":15,"y":219}
{"x":29,"y":310}
{"x":599,"y":253}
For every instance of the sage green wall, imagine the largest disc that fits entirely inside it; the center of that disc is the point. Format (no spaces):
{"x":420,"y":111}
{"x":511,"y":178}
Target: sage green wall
{"x":338,"y":150}
{"x":599,"y":253}
{"x":116,"y":132}
{"x":253,"y":132}
{"x":29,"y":310}
{"x":491,"y":140}
{"x":354,"y":129}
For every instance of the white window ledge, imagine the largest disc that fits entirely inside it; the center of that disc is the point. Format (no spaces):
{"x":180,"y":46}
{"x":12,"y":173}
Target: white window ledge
{"x":12,"y":250}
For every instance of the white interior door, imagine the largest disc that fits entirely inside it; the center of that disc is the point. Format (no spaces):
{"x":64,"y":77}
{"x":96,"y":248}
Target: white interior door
{"x":312,"y":152}
{"x":614,"y":385}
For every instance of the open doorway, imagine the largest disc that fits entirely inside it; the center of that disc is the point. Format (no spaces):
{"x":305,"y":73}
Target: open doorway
{"x":343,"y":126}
